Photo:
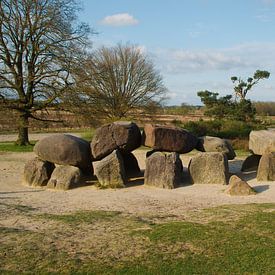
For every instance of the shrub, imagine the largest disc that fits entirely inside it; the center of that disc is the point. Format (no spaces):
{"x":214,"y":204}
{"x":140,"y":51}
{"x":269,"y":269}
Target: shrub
{"x":229,"y":129}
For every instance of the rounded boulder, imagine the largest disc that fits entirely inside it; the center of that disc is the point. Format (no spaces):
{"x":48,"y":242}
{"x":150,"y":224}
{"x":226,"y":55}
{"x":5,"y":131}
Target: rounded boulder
{"x":65,"y":149}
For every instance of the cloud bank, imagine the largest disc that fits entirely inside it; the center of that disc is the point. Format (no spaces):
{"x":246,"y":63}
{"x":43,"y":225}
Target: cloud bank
{"x":242,"y":57}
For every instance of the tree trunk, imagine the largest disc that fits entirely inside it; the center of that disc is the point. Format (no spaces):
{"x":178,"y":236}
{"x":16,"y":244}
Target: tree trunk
{"x":23,"y":133}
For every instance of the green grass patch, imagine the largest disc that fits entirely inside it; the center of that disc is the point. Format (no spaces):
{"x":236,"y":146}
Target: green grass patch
{"x":237,"y":239}
{"x":88,"y":134}
{"x":81,"y":217}
{"x":10,"y":146}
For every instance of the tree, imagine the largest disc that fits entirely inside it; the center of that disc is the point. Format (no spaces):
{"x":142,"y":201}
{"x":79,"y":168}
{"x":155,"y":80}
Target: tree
{"x":218,"y":107}
{"x":243,"y":87}
{"x":39,"y":43}
{"x":113,"y":81}
{"x":225,"y":108}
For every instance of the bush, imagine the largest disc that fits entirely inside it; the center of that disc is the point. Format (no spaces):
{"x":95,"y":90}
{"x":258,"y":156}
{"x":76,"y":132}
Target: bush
{"x":229,"y":129}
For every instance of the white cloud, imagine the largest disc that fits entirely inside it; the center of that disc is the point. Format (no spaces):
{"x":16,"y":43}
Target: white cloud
{"x":119,"y":19}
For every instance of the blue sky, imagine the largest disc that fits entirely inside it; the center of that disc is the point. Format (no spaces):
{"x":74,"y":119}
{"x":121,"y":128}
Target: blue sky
{"x":195,"y":44}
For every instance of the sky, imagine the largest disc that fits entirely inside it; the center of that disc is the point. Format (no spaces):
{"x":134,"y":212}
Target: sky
{"x":195,"y":44}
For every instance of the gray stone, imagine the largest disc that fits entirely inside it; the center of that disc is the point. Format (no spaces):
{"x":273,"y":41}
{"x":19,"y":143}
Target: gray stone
{"x":170,"y":139}
{"x":110,"y":171}
{"x":163,"y":170}
{"x":65,"y":149}
{"x":209,"y":168}
{"x":215,"y":144}
{"x":65,"y":178}
{"x":122,"y":135}
{"x":266,"y":169}
{"x":239,"y":187}
{"x":37,"y":172}
{"x":251,"y":163}
{"x":262,"y":142}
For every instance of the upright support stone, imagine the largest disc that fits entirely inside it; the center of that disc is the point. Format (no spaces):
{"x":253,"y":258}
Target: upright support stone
{"x":163,"y":170}
{"x":266,"y":169}
{"x":110,"y":171}
{"x":209,"y":168}
{"x":65,"y":178}
{"x":37,"y":172}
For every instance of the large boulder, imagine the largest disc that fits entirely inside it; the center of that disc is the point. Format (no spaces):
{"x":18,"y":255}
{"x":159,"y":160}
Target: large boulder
{"x":163,"y":170}
{"x":251,"y":163}
{"x":110,"y":171}
{"x":65,"y":178}
{"x":37,"y":172}
{"x":266,"y":169}
{"x":209,"y":168}
{"x":65,"y":149}
{"x":122,"y":135}
{"x":215,"y":144}
{"x":239,"y":187}
{"x":131,"y":165}
{"x":262,"y":142}
{"x":170,"y":139}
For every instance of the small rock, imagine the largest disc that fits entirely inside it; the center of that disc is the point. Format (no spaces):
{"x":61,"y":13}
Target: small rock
{"x":110,"y":171}
{"x":239,"y":187}
{"x":266,"y":169}
{"x":37,"y":172}
{"x":170,"y":139}
{"x":65,"y":178}
{"x":163,"y":170}
{"x":209,"y":168}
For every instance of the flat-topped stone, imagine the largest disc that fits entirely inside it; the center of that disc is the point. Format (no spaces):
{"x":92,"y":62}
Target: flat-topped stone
{"x":262,"y":142}
{"x":169,"y":139}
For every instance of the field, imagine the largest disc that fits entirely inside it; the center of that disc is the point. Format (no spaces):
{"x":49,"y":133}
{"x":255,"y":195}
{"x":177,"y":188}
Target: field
{"x":194,"y":229}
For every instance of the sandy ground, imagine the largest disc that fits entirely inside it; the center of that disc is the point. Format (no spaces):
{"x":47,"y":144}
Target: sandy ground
{"x":136,"y":199}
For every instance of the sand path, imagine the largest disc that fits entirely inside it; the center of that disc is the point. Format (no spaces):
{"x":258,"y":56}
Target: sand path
{"x":138,"y":199}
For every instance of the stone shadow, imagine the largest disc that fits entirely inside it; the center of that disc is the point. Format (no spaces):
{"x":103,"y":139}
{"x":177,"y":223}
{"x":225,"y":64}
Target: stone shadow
{"x":261,"y":188}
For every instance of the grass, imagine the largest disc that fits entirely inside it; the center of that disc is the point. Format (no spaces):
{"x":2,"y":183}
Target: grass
{"x":10,"y":146}
{"x":223,"y":240}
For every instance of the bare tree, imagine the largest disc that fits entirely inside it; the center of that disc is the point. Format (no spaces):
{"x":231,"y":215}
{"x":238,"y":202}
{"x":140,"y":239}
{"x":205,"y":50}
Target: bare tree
{"x":39,"y":42}
{"x":114,"y":81}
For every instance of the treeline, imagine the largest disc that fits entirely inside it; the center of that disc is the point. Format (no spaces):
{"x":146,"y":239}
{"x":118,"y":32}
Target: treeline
{"x":265,"y":108}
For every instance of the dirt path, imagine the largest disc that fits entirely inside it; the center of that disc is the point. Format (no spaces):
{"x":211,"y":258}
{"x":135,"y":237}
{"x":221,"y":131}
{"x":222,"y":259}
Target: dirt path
{"x":138,"y":200}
